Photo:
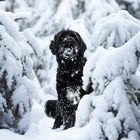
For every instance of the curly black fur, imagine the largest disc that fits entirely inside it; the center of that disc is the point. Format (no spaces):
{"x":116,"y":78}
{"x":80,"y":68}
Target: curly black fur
{"x":50,"y":108}
{"x":69,"y":48}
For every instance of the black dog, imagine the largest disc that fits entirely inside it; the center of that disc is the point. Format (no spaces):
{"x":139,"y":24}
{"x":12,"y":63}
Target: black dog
{"x":69,"y":49}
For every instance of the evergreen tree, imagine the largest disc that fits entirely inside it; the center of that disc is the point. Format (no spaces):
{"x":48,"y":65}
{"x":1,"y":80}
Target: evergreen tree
{"x":112,"y":110}
{"x":16,"y":74}
{"x":132,"y":6}
{"x":114,"y":30}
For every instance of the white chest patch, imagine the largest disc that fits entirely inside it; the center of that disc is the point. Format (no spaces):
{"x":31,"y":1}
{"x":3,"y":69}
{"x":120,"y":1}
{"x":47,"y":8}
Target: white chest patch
{"x":73,"y":95}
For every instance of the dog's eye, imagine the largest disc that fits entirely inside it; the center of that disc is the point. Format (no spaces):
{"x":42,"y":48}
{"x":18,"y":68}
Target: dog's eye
{"x":61,"y":38}
{"x":61,"y":49}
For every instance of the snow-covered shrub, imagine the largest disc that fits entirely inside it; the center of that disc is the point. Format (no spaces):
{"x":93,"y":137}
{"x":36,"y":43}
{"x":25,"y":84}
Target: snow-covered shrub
{"x":45,"y":68}
{"x":113,"y":107}
{"x":84,"y":11}
{"x":39,"y":17}
{"x":97,"y":9}
{"x":42,"y":21}
{"x":16,"y":74}
{"x":132,"y":6}
{"x":44,"y":64}
{"x":114,"y":30}
{"x":50,"y":16}
{"x":57,"y":16}
{"x":40,"y":11}
{"x":12,"y":5}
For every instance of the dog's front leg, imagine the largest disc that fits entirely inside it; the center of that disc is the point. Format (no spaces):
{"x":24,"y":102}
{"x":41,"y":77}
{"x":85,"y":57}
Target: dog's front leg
{"x":69,"y":120}
{"x":58,"y":121}
{"x":58,"y":118}
{"x":68,"y":113}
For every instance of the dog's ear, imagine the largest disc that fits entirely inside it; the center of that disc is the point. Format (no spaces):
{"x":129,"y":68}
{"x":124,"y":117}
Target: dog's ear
{"x":83,"y":46}
{"x":53,"y":48}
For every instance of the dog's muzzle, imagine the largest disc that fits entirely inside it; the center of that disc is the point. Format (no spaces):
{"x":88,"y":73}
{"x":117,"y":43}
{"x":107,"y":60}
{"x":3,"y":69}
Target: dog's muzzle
{"x":68,"y":49}
{"x":69,"y":53}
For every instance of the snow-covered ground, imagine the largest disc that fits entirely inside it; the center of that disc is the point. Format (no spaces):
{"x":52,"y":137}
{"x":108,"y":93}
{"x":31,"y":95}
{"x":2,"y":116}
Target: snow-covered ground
{"x":40,"y":129}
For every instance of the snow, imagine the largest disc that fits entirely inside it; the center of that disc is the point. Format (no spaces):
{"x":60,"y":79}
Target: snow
{"x":11,"y":27}
{"x":114,"y":30}
{"x":73,"y":95}
{"x":33,"y":42}
{"x":113,"y":90}
{"x":10,"y":43}
{"x":83,"y":118}
{"x":112,"y":110}
{"x":6,"y":134}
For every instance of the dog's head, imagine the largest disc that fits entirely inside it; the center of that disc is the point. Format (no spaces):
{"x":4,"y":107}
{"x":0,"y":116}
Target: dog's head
{"x":67,"y":44}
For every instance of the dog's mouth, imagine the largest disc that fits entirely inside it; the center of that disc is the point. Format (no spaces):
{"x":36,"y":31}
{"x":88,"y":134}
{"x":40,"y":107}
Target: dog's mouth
{"x":69,"y":53}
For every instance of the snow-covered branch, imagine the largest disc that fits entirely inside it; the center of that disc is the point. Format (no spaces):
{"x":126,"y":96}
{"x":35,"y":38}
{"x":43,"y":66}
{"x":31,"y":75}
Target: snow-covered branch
{"x":114,"y":30}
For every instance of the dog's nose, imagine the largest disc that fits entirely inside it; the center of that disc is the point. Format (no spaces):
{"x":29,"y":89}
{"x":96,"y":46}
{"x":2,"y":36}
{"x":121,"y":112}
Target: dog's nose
{"x":67,"y":41}
{"x":68,"y":51}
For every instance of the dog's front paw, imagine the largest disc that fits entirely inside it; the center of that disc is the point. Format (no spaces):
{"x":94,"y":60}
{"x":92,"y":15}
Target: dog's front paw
{"x":69,"y":122}
{"x":58,"y":121}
